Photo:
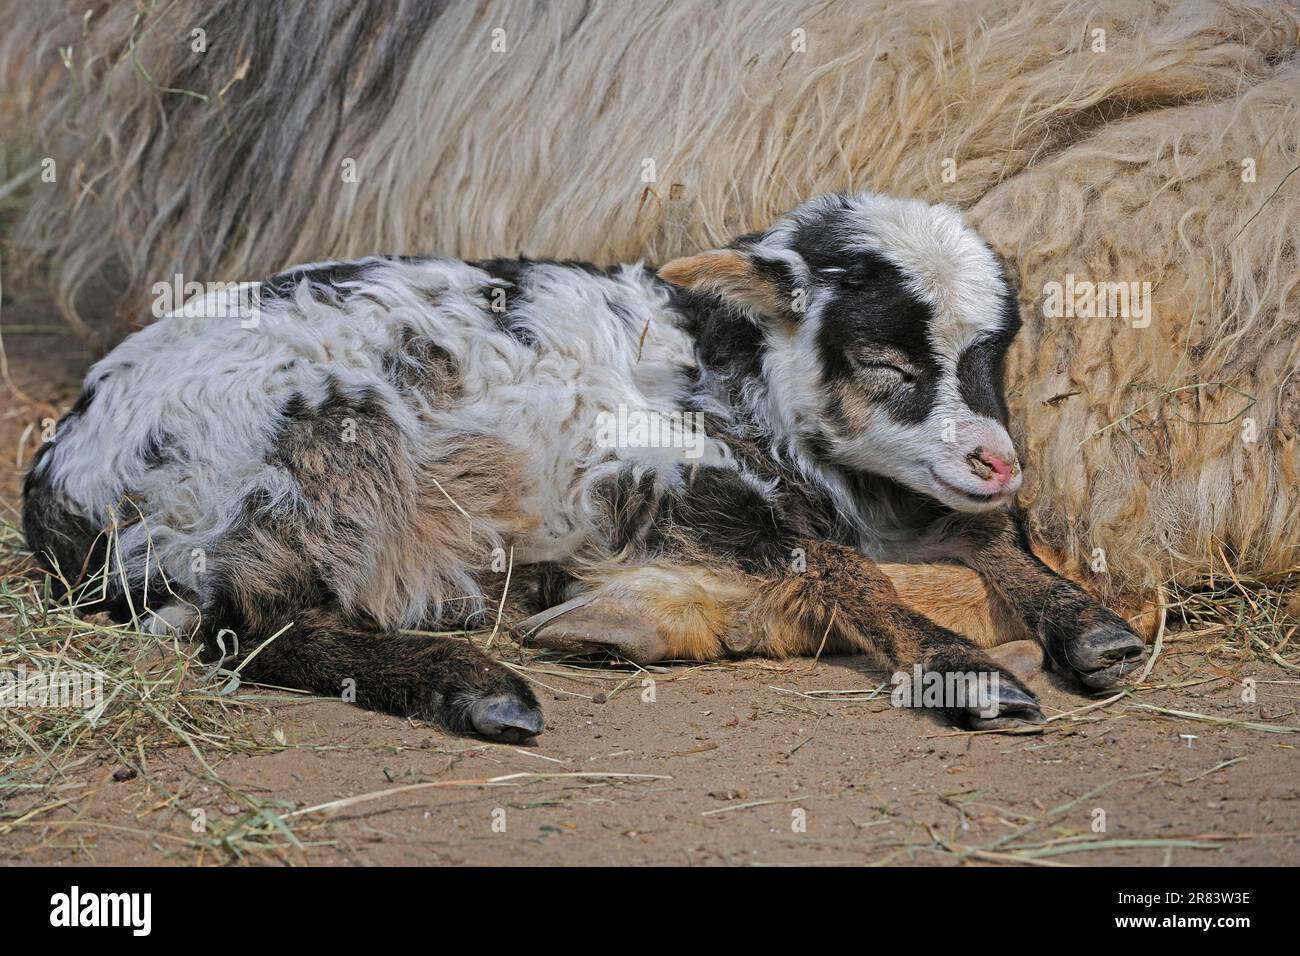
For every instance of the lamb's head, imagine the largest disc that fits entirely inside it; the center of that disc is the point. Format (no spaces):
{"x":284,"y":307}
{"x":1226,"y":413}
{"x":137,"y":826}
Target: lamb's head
{"x":885,"y":327}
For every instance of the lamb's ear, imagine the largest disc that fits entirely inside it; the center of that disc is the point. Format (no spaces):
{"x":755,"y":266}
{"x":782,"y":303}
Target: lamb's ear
{"x":739,"y":276}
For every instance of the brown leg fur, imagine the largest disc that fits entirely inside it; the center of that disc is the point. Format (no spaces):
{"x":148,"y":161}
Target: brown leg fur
{"x":652,"y":612}
{"x":692,"y":612}
{"x":956,"y":597}
{"x":1081,"y":637}
{"x":843,"y":599}
{"x":840,"y":602}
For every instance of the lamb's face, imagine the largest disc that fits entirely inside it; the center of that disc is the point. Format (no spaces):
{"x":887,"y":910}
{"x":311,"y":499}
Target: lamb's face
{"x":910,"y":319}
{"x":889,"y":357}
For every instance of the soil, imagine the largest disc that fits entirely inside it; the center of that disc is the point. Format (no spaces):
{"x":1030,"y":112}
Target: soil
{"x":743,"y":763}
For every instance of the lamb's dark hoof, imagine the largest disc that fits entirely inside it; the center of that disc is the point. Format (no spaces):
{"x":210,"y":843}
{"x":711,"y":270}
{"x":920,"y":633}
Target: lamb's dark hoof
{"x":1012,"y":706}
{"x":1105,"y":654}
{"x":502,"y":717}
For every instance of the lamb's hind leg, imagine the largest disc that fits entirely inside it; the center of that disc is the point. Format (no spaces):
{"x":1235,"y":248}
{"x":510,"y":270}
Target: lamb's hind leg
{"x":446,"y":681}
{"x":335,"y":569}
{"x":647,"y":613}
{"x":680,"y":612}
{"x":272,"y":615}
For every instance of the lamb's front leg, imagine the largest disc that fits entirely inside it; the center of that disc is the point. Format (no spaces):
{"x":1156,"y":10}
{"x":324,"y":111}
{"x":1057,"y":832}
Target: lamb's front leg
{"x":809,"y":590}
{"x":1081,"y":637}
{"x":842,"y":593}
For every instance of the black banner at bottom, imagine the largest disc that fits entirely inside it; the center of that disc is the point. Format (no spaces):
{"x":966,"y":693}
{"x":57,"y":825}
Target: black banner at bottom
{"x":335,"y":906}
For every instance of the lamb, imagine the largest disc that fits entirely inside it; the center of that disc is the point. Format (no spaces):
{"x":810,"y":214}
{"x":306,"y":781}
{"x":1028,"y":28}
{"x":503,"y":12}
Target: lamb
{"x":300,"y":482}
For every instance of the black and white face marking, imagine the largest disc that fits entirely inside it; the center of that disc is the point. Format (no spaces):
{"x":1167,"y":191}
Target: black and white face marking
{"x":896,"y":360}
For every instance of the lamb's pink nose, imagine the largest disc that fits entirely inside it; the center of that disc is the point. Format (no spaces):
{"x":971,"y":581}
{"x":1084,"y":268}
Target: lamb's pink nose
{"x":1003,"y":470}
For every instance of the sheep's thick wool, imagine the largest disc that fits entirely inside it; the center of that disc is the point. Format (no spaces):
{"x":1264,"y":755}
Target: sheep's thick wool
{"x":1143,"y":145}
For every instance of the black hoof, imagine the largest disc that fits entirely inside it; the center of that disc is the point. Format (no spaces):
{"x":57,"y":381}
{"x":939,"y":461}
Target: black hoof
{"x":1105,"y":654}
{"x":505,"y":718}
{"x":1012,"y":705}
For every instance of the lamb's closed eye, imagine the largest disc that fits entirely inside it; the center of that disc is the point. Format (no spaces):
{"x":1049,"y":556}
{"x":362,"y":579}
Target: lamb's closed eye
{"x":906,"y":375}
{"x":886,"y":363}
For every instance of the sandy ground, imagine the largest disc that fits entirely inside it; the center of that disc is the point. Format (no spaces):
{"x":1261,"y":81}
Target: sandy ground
{"x":742,"y":763}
